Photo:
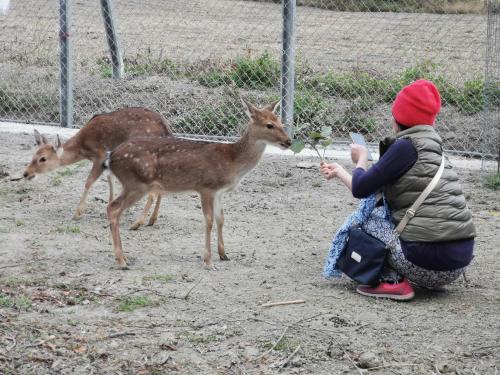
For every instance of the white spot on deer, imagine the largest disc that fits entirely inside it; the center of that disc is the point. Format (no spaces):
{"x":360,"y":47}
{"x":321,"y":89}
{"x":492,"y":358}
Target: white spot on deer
{"x":147,"y":165}
{"x":148,"y":130}
{"x":125,"y":156}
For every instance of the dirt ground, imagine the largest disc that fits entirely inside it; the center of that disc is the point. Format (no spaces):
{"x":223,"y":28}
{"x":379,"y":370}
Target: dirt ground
{"x":66,"y":309}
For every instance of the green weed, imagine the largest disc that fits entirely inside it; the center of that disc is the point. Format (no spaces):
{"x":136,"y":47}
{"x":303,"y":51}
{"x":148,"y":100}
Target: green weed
{"x":284,"y":344}
{"x":130,"y":304}
{"x":256,"y":73}
{"x":68,"y":229}
{"x":198,"y":338}
{"x":20,"y":223}
{"x":493,"y":181}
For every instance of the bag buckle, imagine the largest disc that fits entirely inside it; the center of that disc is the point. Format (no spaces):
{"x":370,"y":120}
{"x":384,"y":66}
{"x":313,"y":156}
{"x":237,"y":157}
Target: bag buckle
{"x":410,"y":213}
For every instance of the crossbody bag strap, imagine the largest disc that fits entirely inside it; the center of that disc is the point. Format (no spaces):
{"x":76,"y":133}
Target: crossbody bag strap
{"x":413,"y":209}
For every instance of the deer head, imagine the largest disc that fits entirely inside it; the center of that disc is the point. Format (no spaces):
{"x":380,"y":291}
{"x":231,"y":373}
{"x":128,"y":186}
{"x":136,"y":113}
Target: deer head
{"x":47,"y":157}
{"x":265,"y":125}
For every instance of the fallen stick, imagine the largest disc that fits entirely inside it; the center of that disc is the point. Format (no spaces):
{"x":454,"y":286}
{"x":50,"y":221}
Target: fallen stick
{"x":120,"y":334}
{"x":282,"y":303}
{"x":285,"y":362}
{"x":190,"y":290}
{"x":274,"y":346}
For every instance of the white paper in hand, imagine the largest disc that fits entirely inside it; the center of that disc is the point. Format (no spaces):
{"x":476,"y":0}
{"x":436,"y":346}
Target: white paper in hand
{"x":4,"y":6}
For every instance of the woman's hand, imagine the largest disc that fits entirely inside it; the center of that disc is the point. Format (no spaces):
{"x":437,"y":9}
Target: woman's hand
{"x":330,"y":170}
{"x":358,"y":153}
{"x":336,"y":170}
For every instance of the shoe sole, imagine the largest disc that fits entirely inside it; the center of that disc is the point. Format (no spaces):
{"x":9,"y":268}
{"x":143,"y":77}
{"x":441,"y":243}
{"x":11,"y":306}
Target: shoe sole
{"x":404,"y":297}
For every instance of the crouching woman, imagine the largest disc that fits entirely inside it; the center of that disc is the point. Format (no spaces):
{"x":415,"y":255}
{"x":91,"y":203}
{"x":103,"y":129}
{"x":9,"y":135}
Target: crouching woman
{"x":437,"y":243}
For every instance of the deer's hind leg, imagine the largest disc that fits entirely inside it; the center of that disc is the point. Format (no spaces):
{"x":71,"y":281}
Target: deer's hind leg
{"x":154,"y":217}
{"x":94,"y":174}
{"x":219,"y":219}
{"x":140,"y":220}
{"x":207,"y":205}
{"x":115,"y":210}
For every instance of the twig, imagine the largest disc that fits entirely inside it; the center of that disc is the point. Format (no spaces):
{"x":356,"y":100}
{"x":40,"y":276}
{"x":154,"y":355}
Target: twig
{"x":289,"y":357}
{"x":282,"y":303}
{"x":22,"y":264}
{"x":485,"y":347}
{"x":16,"y":179}
{"x":391,"y":365}
{"x":194,"y":286}
{"x":353,"y":363}
{"x":120,"y":334}
{"x":274,"y":346}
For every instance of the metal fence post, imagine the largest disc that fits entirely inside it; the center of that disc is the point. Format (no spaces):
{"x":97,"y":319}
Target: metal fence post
{"x":288,"y":65}
{"x":65,"y":69}
{"x":492,"y":70}
{"x":114,"y":50}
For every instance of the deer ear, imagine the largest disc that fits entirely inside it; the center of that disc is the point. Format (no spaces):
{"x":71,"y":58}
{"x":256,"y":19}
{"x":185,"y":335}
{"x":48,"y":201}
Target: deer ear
{"x":58,"y":146}
{"x":273,"y":107}
{"x":250,"y":110}
{"x":40,"y":139}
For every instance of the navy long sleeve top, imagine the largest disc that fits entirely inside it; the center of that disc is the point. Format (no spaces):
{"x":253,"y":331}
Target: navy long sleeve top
{"x":395,"y":162}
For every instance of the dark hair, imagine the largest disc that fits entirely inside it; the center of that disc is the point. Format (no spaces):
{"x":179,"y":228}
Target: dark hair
{"x":402,"y":127}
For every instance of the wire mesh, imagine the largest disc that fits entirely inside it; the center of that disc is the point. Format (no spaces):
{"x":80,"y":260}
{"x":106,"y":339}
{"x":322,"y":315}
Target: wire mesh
{"x":190,"y":62}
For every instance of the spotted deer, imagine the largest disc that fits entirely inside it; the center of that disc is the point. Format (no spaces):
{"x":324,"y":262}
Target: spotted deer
{"x":103,"y":132}
{"x":173,"y":165}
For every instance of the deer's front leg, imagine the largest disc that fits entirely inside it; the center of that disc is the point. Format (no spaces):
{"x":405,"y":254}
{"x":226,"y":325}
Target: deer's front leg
{"x":95,"y":172}
{"x":207,"y":205}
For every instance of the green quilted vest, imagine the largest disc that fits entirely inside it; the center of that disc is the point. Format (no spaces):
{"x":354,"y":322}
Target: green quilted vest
{"x":444,"y":215}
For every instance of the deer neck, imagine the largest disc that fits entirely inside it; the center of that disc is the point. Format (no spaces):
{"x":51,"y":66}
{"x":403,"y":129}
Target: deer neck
{"x":249,"y":150}
{"x":70,"y":154}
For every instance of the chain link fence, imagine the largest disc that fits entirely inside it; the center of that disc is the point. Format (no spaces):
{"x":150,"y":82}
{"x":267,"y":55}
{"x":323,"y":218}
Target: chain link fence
{"x":190,"y":61}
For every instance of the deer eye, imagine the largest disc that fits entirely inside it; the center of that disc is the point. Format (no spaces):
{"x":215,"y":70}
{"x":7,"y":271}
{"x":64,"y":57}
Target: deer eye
{"x":42,"y":159}
{"x":270,"y":126}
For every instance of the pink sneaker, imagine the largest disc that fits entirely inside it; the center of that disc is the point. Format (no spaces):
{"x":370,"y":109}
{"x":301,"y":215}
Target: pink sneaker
{"x":401,"y":291}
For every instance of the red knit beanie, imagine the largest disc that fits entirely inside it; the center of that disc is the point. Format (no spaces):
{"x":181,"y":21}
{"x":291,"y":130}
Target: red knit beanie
{"x":417,"y":104}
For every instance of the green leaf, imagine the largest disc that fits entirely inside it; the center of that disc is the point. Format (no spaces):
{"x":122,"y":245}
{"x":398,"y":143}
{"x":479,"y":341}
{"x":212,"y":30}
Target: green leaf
{"x":315,"y":136}
{"x":297,"y":146}
{"x":326,"y":143}
{"x":326,"y":131}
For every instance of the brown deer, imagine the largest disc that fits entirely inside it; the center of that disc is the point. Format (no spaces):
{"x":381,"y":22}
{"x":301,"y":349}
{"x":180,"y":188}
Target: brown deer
{"x":172,"y":165}
{"x":103,"y":132}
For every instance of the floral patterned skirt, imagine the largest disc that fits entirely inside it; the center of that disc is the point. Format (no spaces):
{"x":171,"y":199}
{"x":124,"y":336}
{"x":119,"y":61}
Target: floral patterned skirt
{"x":379,"y":227}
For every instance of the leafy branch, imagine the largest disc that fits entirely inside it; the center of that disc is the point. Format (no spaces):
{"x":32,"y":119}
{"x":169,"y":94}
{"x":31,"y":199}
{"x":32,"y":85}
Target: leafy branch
{"x":317,"y":140}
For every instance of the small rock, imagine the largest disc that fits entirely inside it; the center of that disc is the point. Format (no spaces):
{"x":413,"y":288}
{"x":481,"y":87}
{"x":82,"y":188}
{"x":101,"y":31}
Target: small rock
{"x":307,"y":165}
{"x":297,"y":362}
{"x":369,"y":360}
{"x":251,"y":352}
{"x":445,"y":368}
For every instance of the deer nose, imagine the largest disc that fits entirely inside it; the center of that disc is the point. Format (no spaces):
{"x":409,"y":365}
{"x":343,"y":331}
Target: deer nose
{"x":25,"y":174}
{"x":288,"y":142}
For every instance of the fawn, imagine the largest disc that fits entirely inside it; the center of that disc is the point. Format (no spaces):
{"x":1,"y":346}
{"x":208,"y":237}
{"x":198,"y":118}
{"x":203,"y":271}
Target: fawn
{"x":172,"y":165}
{"x":103,"y":132}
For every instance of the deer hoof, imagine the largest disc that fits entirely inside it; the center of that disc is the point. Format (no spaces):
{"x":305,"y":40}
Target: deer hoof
{"x":123,"y":265}
{"x":223,"y":257}
{"x":210,"y":267}
{"x":136,"y":225}
{"x":151,"y":223}
{"x":77,"y":216}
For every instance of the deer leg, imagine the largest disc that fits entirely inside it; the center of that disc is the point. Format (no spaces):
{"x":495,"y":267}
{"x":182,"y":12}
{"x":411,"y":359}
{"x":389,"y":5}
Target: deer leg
{"x":94,"y":174}
{"x":111,"y":188}
{"x":219,"y":219}
{"x":207,"y":205}
{"x":144,"y":214}
{"x":154,"y":217}
{"x":115,"y":209}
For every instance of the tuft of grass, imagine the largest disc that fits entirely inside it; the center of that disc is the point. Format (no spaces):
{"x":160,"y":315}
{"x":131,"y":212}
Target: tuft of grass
{"x":256,"y":73}
{"x":198,"y":338}
{"x":66,"y":172}
{"x":286,"y":343}
{"x":493,"y":181}
{"x":56,"y":180}
{"x":308,"y":104}
{"x":141,"y":65}
{"x":68,"y":229}
{"x":21,"y":303}
{"x":220,"y":120}
{"x":214,"y":78}
{"x":130,"y":304}
{"x":160,"y":278}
